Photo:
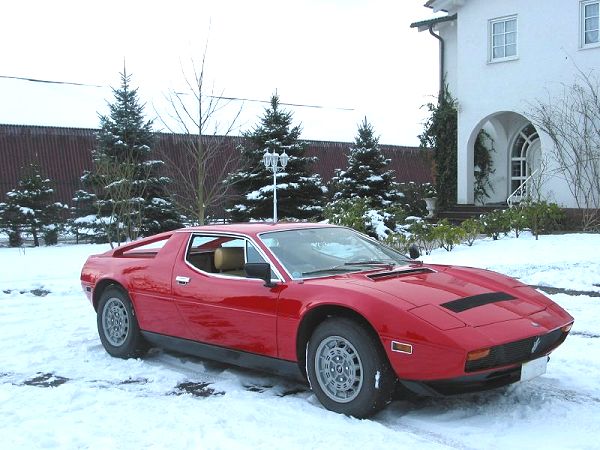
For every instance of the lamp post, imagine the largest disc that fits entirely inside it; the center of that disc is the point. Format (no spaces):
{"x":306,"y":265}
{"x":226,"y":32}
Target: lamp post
{"x":276,"y":163}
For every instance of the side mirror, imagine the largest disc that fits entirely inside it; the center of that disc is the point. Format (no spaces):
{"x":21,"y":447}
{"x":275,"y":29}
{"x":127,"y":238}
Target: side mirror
{"x":413,"y":251}
{"x":261,"y":271}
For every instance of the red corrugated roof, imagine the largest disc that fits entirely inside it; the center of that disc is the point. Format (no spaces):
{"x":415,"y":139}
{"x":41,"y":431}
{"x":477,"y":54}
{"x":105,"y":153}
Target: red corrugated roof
{"x":64,"y":153}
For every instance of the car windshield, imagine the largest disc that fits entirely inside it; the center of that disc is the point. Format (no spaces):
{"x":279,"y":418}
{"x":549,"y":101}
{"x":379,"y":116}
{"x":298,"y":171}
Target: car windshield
{"x":314,"y":252}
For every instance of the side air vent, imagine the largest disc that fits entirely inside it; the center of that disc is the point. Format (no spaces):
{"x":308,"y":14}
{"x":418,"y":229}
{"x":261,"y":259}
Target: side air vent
{"x":462,"y":304}
{"x":399,"y":273}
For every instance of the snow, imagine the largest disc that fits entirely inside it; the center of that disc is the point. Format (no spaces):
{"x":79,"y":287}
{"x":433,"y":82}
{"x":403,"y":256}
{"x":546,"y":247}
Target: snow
{"x":48,"y":334}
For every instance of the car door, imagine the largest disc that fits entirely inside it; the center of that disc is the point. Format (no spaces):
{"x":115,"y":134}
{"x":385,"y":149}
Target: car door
{"x":219,"y":304}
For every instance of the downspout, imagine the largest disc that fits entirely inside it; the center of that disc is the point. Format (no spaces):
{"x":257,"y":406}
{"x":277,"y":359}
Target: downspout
{"x":442,"y":71}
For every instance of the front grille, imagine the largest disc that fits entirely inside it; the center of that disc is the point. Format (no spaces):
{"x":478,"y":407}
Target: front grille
{"x":517,"y":351}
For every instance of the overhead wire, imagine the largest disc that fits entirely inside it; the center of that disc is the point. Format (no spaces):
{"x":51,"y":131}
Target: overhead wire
{"x":72,"y":83}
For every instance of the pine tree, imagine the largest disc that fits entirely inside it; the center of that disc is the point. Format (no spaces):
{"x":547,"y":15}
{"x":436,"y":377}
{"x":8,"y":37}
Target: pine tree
{"x":131,"y":196}
{"x":29,"y":208}
{"x":366,"y":175}
{"x":299,"y":192}
{"x":440,"y":135}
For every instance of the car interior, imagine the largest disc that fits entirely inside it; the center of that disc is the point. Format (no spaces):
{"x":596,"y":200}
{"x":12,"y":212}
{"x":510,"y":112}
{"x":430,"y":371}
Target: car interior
{"x":222,"y":255}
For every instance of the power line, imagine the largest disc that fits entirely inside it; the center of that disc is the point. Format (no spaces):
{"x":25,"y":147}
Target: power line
{"x":36,"y":80}
{"x":282,"y":103}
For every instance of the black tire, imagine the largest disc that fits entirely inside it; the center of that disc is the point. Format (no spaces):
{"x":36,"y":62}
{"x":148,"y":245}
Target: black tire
{"x":341,"y":346}
{"x":117,"y":325}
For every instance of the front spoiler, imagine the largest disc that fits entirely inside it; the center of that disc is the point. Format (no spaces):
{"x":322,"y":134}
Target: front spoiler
{"x":464,"y":384}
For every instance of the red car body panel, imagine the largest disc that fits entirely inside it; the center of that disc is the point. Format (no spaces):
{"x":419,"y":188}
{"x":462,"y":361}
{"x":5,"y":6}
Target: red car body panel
{"x":244,"y":315}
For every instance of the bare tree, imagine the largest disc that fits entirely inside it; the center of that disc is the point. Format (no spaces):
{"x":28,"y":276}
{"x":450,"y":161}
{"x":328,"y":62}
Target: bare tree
{"x":572,"y":121}
{"x":194,"y":114}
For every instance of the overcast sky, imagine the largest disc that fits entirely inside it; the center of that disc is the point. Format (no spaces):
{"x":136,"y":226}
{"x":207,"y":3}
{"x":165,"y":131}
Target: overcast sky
{"x":355,"y":58}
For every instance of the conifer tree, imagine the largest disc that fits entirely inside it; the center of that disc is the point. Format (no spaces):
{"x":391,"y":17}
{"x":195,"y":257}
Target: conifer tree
{"x":367,"y":175}
{"x":440,"y":135}
{"x":299,"y":191}
{"x":29,"y":208}
{"x":131,"y":197}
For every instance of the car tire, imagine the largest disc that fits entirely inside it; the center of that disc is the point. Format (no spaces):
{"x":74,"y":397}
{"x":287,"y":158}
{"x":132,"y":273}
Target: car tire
{"x":117,"y":325}
{"x":348,"y":369}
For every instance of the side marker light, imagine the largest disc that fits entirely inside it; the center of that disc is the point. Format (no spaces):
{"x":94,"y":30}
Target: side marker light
{"x":401,"y":347}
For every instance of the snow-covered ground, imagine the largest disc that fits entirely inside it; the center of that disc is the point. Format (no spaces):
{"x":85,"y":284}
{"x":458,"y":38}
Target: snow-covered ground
{"x":60,"y":389}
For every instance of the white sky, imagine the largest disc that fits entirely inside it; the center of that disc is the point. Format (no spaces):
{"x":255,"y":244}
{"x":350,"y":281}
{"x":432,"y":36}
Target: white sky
{"x":357,"y":54}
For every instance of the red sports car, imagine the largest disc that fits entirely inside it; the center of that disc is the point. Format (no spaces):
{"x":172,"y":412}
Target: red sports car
{"x":323,"y":303}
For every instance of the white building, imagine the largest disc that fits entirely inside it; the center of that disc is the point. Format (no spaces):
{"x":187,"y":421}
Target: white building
{"x":499,"y":58}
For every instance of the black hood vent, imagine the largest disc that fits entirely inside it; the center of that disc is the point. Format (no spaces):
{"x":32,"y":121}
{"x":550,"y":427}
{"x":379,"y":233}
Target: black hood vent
{"x":462,"y":304}
{"x":399,"y":273}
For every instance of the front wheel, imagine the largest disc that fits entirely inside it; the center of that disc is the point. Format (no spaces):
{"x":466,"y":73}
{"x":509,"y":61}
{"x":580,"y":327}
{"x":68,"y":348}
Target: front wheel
{"x":348,"y":369}
{"x":117,"y":325}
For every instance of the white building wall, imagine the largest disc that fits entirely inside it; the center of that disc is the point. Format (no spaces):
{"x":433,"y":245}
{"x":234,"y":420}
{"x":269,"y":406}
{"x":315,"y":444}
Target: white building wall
{"x":549,"y":55}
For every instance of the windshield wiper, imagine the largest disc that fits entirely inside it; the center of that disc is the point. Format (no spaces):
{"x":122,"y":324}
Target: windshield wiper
{"x":329,"y":269}
{"x":344,"y":267}
{"x":371,"y":262}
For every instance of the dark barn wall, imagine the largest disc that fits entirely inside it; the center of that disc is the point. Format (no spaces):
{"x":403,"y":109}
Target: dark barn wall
{"x":63,"y":154}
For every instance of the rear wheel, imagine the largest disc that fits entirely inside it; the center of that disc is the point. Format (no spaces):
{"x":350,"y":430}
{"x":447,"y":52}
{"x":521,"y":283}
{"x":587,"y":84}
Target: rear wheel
{"x":117,"y":325}
{"x":348,"y":369}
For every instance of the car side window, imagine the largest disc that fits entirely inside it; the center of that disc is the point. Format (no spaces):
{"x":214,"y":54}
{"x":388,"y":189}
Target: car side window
{"x":224,"y":255}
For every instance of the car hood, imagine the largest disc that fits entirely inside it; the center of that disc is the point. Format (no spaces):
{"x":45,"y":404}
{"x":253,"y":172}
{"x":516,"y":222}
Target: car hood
{"x":471,"y":296}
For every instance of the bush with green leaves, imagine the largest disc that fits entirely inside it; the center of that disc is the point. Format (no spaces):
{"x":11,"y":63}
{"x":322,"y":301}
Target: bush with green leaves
{"x":424,"y":235}
{"x":399,"y":241}
{"x":50,"y":234}
{"x":471,"y":228}
{"x":347,"y":213}
{"x":15,"y":239}
{"x":447,"y":235}
{"x":543,"y":217}
{"x":412,"y":197}
{"x":517,"y":219}
{"x":495,"y":223}
{"x":359,"y":213}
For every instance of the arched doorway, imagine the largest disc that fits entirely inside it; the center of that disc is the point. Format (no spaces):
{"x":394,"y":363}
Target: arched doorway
{"x":525,"y":157}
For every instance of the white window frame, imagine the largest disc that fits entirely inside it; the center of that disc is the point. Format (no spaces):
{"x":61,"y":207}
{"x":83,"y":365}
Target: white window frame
{"x":582,"y":43}
{"x":491,"y":23}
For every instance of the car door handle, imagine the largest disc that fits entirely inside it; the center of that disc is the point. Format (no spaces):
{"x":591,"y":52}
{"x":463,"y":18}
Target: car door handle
{"x":182,"y":280}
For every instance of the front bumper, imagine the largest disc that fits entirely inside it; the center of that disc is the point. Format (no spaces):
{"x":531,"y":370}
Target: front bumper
{"x":465,"y":384}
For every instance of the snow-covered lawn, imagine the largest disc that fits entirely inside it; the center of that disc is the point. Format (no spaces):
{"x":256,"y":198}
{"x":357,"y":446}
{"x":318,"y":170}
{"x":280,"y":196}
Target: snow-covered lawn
{"x":60,"y":389}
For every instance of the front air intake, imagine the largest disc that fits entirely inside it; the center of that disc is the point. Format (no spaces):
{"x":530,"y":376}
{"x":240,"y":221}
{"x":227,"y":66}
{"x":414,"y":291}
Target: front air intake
{"x":399,"y":273}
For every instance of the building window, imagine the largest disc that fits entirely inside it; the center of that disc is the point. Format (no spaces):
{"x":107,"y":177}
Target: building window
{"x":590,"y":23}
{"x":503,"y":39}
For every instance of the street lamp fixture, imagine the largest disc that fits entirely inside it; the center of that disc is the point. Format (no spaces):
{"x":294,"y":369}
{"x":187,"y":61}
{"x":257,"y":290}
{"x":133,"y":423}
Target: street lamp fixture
{"x":276,"y":163}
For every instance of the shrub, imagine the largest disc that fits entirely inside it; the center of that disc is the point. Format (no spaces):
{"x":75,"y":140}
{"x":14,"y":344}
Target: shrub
{"x":400,"y":242}
{"x":15,"y":239}
{"x":517,"y":219}
{"x":471,"y":229}
{"x":50,"y":236}
{"x":347,"y":212}
{"x":359,"y":214}
{"x":495,"y":223}
{"x":412,"y":198}
{"x":448,"y":235}
{"x":543,"y":217}
{"x":424,"y":236}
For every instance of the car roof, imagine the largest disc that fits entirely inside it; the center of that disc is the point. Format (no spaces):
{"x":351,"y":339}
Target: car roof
{"x":254,"y":228}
